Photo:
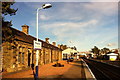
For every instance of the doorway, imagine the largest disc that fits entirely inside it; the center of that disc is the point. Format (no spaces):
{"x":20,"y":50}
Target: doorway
{"x":29,"y":54}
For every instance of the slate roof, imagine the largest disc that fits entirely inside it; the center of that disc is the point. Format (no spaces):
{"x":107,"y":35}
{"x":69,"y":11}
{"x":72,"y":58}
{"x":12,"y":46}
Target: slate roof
{"x":20,"y":36}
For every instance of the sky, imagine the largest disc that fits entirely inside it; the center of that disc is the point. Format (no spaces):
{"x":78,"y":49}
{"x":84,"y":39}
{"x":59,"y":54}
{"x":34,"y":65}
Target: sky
{"x":80,"y":24}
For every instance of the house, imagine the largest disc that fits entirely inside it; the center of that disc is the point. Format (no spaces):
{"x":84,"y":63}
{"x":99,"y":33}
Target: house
{"x":69,"y":53}
{"x":18,"y":52}
{"x":112,"y":56}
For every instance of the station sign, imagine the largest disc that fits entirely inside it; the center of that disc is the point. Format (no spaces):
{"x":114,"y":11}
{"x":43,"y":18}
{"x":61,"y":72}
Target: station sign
{"x":37,"y":45}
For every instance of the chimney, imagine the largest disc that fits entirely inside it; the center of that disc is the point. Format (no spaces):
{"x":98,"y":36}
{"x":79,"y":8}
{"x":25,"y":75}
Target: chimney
{"x":25,"y":29}
{"x":58,"y":45}
{"x":61,"y":46}
{"x":54,"y":43}
{"x":47,"y":40}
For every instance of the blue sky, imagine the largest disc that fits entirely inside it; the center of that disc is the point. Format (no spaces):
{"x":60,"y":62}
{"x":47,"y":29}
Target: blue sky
{"x":80,"y":24}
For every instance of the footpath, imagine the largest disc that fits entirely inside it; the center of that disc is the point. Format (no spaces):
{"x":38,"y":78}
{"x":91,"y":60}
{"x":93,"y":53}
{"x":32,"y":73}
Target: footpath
{"x":76,"y":70}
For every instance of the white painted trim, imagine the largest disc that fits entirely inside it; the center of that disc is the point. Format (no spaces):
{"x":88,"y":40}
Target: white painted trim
{"x":89,"y":70}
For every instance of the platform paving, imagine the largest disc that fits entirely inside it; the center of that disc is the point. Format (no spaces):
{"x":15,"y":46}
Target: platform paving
{"x":73,"y":70}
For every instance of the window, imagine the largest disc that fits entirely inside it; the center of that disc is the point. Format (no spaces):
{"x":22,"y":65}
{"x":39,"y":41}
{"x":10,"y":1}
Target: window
{"x":19,"y":57}
{"x":22,"y":58}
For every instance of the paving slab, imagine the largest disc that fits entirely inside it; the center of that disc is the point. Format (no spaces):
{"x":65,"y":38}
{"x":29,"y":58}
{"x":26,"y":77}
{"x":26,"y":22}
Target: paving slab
{"x":73,"y":70}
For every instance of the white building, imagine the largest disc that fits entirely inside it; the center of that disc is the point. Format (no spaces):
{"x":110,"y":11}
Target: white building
{"x":69,"y":53}
{"x":112,"y":56}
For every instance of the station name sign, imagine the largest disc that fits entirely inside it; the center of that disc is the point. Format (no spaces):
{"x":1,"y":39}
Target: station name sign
{"x":37,"y":45}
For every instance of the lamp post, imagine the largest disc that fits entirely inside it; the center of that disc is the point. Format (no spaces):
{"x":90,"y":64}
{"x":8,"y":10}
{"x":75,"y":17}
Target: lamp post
{"x":44,"y":6}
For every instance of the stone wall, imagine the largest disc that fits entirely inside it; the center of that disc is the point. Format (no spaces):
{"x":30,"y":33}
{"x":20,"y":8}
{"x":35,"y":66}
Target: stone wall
{"x":15,"y":57}
{"x":19,"y":55}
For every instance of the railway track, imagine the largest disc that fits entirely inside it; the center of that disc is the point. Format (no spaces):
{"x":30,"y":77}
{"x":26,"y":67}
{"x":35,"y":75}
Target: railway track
{"x":103,"y":71}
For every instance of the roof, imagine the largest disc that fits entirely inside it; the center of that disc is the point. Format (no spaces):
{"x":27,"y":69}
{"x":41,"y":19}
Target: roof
{"x":112,"y":54}
{"x":20,"y":36}
{"x":69,"y":50}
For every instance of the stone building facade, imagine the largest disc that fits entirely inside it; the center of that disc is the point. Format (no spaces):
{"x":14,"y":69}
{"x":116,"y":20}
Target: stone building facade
{"x":19,"y":53}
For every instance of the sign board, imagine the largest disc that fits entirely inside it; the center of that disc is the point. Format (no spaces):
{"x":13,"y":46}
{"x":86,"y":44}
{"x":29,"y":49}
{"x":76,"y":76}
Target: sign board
{"x":37,"y":44}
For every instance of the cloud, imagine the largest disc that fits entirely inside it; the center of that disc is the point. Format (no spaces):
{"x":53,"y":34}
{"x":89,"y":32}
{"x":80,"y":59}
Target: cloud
{"x":66,"y":0}
{"x":76,"y":11}
{"x":70,"y":25}
{"x":111,"y":44}
{"x":43,"y":17}
{"x":64,"y":32}
{"x":72,"y":28}
{"x":85,"y":24}
{"x":106,"y":38}
{"x":103,"y":0}
{"x":104,"y":8}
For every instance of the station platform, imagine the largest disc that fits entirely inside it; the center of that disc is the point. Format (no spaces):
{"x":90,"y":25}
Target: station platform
{"x":75,"y":70}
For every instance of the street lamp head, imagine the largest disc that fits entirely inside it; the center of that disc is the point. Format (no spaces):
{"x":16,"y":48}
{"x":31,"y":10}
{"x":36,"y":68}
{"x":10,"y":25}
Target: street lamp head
{"x":45,"y":6}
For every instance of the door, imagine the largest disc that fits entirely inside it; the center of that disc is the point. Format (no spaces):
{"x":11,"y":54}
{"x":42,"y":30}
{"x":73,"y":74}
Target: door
{"x":29,"y":54}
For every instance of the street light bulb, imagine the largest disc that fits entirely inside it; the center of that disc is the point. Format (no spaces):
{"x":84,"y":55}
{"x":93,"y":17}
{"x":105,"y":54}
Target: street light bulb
{"x":45,"y":6}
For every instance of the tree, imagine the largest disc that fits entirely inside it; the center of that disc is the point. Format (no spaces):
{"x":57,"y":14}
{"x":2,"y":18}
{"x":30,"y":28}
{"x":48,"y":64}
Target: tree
{"x":7,"y":33}
{"x":106,"y":50}
{"x":116,"y":51}
{"x":95,"y":50}
{"x":74,"y":48}
{"x":6,"y":9}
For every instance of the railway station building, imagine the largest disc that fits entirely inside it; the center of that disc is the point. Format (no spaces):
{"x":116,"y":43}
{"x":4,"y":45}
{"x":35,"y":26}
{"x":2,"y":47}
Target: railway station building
{"x":18,"y":51}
